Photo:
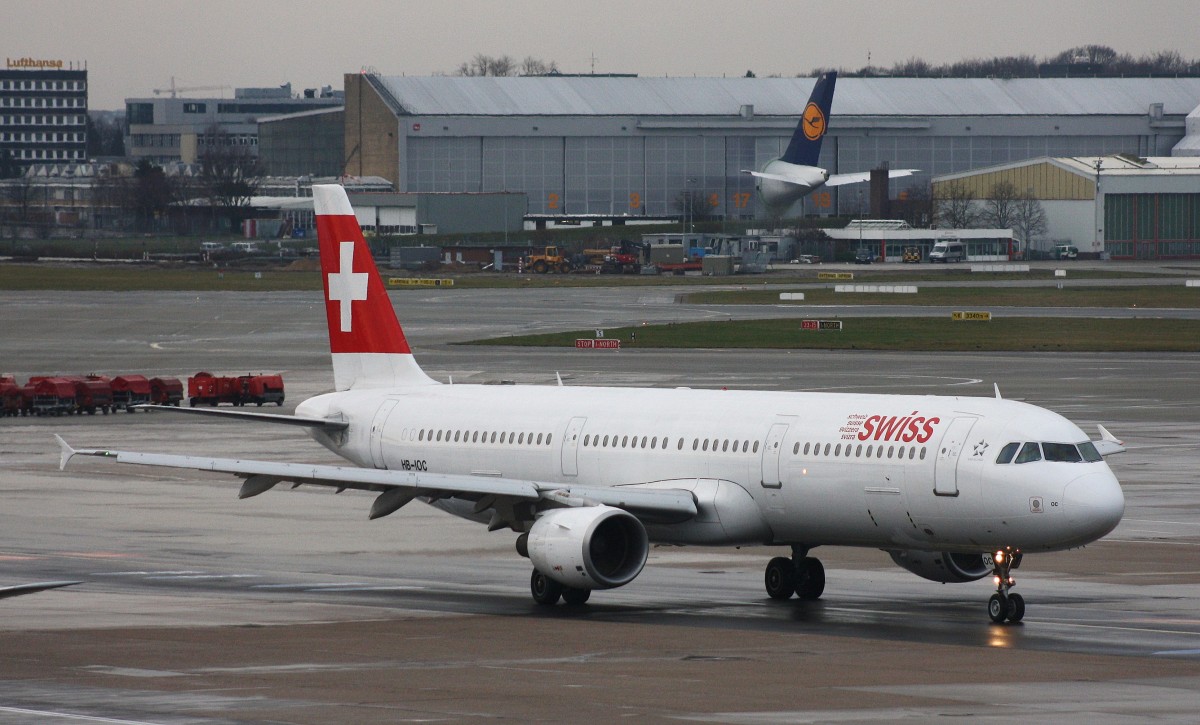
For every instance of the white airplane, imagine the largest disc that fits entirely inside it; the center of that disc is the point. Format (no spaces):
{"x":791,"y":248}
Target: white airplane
{"x":954,"y":488}
{"x":785,"y":180}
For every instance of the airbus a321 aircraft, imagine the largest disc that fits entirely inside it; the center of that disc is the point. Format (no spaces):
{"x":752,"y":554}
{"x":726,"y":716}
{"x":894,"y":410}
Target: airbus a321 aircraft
{"x":954,"y":488}
{"x":784,"y":180}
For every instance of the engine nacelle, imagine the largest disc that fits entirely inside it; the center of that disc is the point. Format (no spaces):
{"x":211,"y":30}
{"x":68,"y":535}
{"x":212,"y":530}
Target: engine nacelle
{"x":941,"y":566}
{"x":590,"y":547}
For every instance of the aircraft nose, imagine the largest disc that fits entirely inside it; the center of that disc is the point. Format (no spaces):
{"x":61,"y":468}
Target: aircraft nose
{"x":1094,"y":503}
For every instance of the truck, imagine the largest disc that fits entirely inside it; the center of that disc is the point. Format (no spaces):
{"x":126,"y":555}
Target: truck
{"x":93,"y":393}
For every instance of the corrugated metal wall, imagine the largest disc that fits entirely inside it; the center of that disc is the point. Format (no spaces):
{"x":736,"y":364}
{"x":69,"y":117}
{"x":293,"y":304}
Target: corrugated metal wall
{"x":1046,"y":180}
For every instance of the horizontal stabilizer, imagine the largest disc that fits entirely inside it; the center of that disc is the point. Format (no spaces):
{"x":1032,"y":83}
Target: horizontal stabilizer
{"x":18,"y":590}
{"x":247,"y":415}
{"x":863,"y":176}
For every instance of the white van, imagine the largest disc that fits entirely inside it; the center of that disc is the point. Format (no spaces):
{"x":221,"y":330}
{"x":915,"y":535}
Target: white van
{"x":948,"y":252}
{"x":244,"y":247}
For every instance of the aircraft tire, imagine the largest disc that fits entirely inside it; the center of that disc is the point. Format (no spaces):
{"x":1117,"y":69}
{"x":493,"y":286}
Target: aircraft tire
{"x":810,"y":581}
{"x":780,"y":578}
{"x":573,"y":596}
{"x":998,"y":608}
{"x":545,"y":590}
{"x":1016,"y":608}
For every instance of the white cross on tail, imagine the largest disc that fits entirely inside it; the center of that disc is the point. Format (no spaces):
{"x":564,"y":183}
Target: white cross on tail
{"x":347,"y":286}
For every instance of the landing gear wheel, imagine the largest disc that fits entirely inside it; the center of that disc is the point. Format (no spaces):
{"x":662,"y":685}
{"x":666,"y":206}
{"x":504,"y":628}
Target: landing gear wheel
{"x":781,"y":578}
{"x":574,"y":596}
{"x":1016,"y":608}
{"x":998,"y":608}
{"x":544,"y":589}
{"x":810,"y":579}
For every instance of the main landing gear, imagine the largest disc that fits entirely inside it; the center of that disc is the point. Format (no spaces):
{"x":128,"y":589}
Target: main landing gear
{"x":801,"y":575}
{"x":547,"y":591}
{"x":1005,"y":605}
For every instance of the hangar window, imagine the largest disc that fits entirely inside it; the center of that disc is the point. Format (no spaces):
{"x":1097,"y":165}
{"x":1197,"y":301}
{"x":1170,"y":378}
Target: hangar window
{"x":1007,"y":452}
{"x":1029,"y":452}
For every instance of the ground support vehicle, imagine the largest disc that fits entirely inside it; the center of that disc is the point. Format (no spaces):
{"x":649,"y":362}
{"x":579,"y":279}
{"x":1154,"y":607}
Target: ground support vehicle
{"x":92,"y":395}
{"x":548,"y":260}
{"x":166,"y":391}
{"x":53,"y":396}
{"x":129,"y":391}
{"x":207,"y":389}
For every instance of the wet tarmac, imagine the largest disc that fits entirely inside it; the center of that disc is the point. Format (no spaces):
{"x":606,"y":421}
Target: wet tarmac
{"x":291,"y":607}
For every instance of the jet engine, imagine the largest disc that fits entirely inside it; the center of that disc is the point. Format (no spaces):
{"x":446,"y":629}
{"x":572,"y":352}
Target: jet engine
{"x":590,"y":547}
{"x":941,"y":566}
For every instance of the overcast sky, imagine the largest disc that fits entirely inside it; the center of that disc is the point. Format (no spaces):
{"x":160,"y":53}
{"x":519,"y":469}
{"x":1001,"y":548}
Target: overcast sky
{"x":132,"y":47}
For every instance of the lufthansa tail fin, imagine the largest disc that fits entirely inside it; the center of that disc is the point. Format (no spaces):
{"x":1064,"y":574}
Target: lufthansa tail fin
{"x":368,"y":346}
{"x":805,"y":147}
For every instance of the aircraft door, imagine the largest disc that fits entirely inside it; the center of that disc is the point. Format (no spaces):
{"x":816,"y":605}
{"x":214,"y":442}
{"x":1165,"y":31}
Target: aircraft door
{"x":945,"y":472}
{"x":570,"y":447}
{"x":770,"y":456}
{"x":377,"y":424}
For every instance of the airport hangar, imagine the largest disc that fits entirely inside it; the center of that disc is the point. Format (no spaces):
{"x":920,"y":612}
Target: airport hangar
{"x":625,"y":146}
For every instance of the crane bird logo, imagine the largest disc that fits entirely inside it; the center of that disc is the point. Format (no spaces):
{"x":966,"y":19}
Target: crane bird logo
{"x":814,"y":122}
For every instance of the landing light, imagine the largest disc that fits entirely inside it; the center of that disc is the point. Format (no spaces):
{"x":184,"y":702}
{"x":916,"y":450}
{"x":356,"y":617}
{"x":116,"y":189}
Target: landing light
{"x":999,"y":557}
{"x":996,"y":580}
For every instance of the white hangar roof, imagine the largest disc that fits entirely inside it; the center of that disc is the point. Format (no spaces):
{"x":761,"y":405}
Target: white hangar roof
{"x":607,"y":96}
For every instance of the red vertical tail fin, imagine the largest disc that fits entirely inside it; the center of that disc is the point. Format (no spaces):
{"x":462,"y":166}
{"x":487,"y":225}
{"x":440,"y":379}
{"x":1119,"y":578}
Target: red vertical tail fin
{"x":368,"y":345}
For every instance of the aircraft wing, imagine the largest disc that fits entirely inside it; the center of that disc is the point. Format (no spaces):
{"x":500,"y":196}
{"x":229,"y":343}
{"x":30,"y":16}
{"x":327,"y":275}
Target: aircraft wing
{"x":18,"y":590}
{"x":397,"y":488}
{"x":860,"y":177}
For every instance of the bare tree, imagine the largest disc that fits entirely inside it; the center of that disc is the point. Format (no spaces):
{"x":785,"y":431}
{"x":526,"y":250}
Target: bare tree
{"x":1029,"y":218}
{"x":954,"y":206}
{"x":999,"y":207}
{"x":537,"y":67}
{"x":486,"y":65}
{"x":229,"y":173}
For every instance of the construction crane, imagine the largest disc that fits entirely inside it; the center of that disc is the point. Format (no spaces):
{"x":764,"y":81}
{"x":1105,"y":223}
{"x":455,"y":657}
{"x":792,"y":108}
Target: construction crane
{"x":173,"y":90}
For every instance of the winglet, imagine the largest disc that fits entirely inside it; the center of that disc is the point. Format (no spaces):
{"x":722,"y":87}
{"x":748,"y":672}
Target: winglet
{"x":65,"y":452}
{"x":1108,"y":443}
{"x":996,"y":387}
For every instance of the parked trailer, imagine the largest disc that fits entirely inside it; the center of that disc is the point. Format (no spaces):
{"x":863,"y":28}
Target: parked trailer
{"x":130,"y":390}
{"x":166,"y":391}
{"x":53,"y":396}
{"x":207,"y":389}
{"x":259,"y":389}
{"x":12,"y":399}
{"x":92,"y":395}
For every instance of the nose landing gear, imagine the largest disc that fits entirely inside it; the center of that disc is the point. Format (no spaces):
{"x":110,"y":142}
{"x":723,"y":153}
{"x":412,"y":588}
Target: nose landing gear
{"x":1005,"y":605}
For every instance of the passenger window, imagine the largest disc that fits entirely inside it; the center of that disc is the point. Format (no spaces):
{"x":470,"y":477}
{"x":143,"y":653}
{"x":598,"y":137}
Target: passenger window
{"x":827,"y":446}
{"x":706,"y":444}
{"x":745,"y":446}
{"x":858,"y":451}
{"x":1029,"y":452}
{"x":1007,"y":453}
{"x":548,"y":437}
{"x":493,"y":436}
{"x":654,"y":443}
{"x":837,"y":451}
{"x":539,"y":439}
{"x":922,"y":453}
{"x":725,"y":446}
{"x":1061,"y":452}
{"x":756,"y":446}
{"x":912,"y":453}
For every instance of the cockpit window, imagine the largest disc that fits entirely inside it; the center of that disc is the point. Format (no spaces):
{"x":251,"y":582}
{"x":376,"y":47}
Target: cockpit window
{"x":1061,"y":452}
{"x":1029,"y":452}
{"x":1007,"y":453}
{"x":1089,"y":452}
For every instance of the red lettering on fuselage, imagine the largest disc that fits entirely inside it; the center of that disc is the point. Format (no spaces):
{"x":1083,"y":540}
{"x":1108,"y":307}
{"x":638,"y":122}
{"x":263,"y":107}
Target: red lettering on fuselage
{"x":911,"y":428}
